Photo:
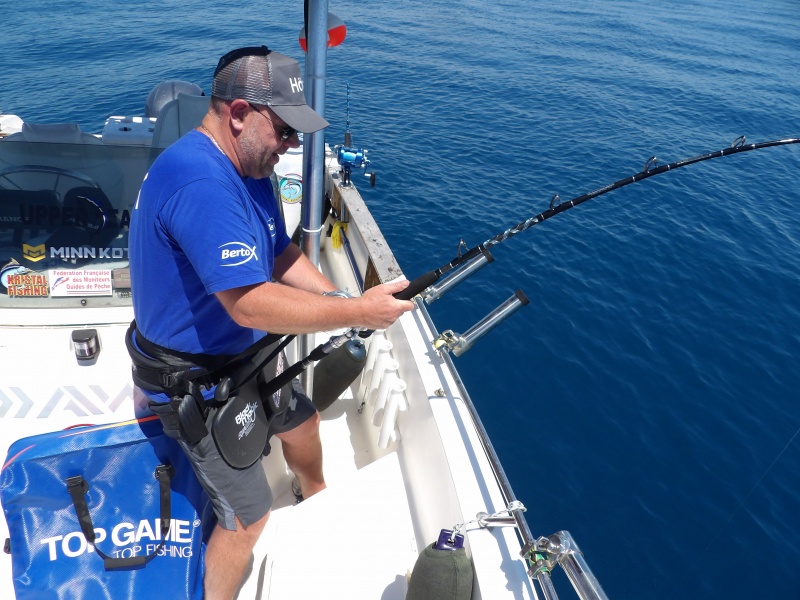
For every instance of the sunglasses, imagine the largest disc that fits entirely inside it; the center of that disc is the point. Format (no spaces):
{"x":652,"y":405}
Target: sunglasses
{"x":284,"y":132}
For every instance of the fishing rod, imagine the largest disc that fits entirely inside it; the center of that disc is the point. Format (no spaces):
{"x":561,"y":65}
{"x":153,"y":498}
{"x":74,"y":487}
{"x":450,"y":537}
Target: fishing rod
{"x":479,"y":255}
{"x":321,"y":351}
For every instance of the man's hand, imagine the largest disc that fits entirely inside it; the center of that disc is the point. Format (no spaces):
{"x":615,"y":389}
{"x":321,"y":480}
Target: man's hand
{"x":380,"y":308}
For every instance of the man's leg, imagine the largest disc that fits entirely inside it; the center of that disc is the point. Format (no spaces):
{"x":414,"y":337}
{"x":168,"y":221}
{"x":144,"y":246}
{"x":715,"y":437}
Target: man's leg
{"x":227,"y":557}
{"x":302,"y":450}
{"x":228,"y":553}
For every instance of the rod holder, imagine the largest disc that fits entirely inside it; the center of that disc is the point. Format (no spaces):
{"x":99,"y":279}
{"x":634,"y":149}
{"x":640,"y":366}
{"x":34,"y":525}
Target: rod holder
{"x":562,"y":548}
{"x":436,"y":291}
{"x":458,"y":343}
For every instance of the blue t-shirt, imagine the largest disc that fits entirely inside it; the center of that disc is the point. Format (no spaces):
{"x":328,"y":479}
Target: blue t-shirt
{"x":199,"y":228}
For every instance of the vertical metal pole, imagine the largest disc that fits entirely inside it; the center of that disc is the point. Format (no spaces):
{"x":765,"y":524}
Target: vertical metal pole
{"x":548,"y":589}
{"x":313,"y":153}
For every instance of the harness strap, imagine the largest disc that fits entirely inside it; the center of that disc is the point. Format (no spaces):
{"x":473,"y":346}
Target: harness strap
{"x":182,"y":376}
{"x":179,"y":373}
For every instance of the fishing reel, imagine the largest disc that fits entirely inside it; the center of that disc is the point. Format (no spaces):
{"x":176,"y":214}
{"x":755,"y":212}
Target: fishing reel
{"x":350,"y":158}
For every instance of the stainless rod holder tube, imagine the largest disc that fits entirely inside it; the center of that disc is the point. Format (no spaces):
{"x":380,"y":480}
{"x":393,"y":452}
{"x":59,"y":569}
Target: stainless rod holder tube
{"x":436,"y":291}
{"x":489,"y":322}
{"x":570,"y":557}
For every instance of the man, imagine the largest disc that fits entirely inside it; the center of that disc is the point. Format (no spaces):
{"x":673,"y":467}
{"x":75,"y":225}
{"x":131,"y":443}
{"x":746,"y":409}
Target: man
{"x":212,"y":269}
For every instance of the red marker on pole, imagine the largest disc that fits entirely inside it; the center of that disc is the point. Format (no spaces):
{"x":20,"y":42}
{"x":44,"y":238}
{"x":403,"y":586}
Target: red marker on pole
{"x":337,"y":31}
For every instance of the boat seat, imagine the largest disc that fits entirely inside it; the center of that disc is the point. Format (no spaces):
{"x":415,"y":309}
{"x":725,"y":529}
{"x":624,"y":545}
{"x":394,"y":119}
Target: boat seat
{"x":55,"y":133}
{"x":178,"y":117}
{"x":354,"y":539}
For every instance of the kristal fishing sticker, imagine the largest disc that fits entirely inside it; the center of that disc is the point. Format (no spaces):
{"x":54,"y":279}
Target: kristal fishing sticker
{"x":19,"y":282}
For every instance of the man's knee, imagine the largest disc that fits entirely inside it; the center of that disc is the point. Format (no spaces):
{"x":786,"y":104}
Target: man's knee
{"x":309,"y":427}
{"x":245,"y":536}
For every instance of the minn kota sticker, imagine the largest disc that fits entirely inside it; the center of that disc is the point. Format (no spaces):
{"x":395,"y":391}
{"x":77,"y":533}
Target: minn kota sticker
{"x":76,"y":282}
{"x":20,"y":282}
{"x":33,"y":253}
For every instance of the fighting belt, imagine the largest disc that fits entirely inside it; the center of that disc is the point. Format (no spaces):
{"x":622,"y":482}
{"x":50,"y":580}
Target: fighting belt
{"x":240,"y":419}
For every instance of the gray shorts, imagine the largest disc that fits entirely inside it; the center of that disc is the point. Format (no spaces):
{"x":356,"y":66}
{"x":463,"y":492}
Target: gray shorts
{"x":243,"y":493}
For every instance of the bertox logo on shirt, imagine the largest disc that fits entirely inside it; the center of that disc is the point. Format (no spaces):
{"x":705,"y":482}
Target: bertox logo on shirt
{"x":237,"y":253}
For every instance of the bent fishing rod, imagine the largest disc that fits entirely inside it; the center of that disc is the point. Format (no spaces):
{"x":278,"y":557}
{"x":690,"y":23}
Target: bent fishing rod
{"x":651,"y":168}
{"x":427,"y":280}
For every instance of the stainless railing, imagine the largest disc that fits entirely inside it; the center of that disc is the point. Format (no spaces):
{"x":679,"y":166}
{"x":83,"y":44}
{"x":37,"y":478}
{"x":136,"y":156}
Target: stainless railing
{"x":543,"y":553}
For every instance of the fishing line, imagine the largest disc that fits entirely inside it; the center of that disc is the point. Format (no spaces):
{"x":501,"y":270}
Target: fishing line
{"x":650,"y":169}
{"x":724,"y":526}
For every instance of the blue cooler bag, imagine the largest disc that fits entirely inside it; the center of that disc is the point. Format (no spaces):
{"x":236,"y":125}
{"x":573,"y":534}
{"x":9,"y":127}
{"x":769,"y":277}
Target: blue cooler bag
{"x":104,"y":512}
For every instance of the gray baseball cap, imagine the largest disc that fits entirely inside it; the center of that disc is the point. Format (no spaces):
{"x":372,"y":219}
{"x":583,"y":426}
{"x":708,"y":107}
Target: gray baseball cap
{"x":261,"y":76}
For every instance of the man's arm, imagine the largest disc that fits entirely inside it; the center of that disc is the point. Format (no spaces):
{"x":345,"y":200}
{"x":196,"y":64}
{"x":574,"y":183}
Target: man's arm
{"x":280,"y":308}
{"x":293,"y":268}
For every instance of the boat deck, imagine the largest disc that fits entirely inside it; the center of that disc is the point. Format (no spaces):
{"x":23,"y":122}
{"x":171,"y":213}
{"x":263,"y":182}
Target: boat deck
{"x":311,"y":548}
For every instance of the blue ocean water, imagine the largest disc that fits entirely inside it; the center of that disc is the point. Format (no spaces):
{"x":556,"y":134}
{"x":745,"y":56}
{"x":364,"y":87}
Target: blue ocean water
{"x":647,"y":398}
